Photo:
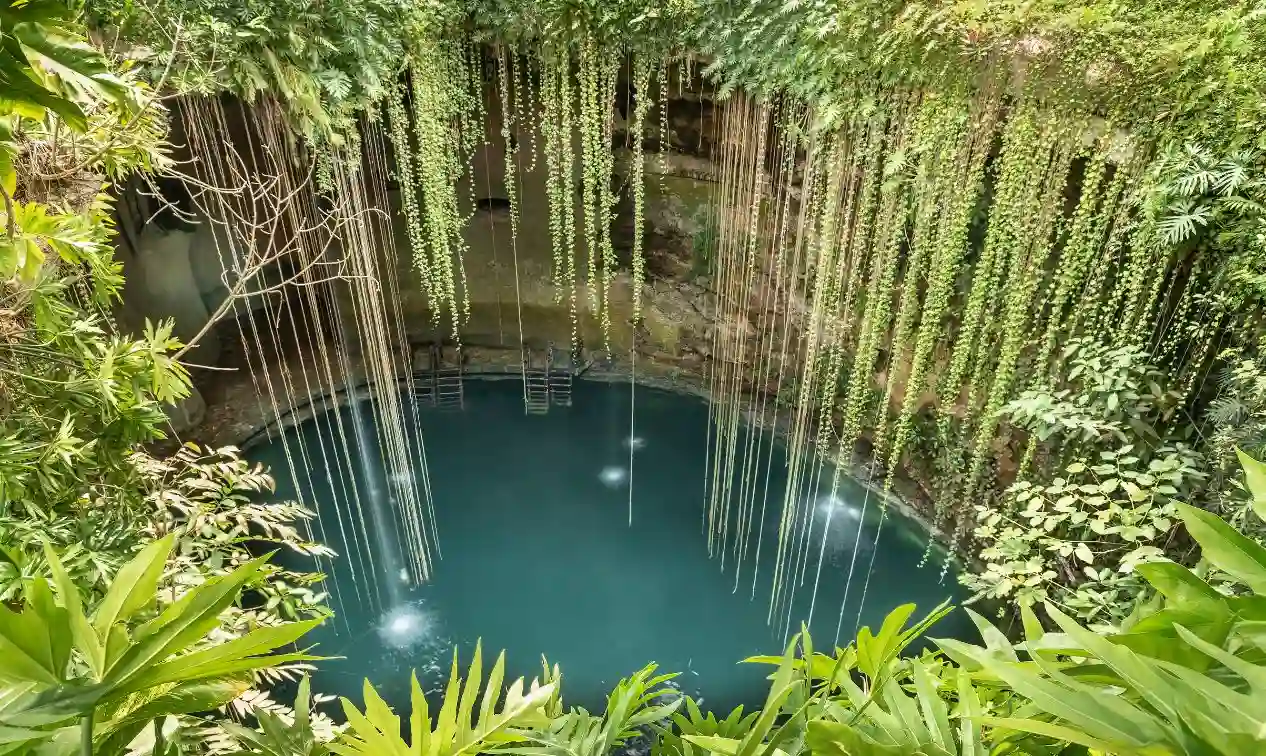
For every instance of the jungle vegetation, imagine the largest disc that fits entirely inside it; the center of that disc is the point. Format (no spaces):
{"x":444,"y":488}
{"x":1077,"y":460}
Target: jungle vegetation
{"x":951,"y":163}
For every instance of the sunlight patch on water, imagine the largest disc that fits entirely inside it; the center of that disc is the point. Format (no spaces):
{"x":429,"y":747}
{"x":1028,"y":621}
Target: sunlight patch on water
{"x":837,"y":507}
{"x":613,"y":476}
{"x":405,"y":626}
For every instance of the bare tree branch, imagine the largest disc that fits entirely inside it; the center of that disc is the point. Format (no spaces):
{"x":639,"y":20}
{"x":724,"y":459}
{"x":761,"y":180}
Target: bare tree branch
{"x":270,"y":230}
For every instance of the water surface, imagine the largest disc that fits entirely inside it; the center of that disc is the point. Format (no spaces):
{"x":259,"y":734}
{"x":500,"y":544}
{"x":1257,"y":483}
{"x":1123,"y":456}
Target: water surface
{"x":539,"y":557}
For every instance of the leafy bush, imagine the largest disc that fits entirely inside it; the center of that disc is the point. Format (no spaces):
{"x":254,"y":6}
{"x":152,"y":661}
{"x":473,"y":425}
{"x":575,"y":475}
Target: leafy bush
{"x":1187,"y":674}
{"x":1076,"y":537}
{"x":99,"y":677}
{"x":323,"y":63}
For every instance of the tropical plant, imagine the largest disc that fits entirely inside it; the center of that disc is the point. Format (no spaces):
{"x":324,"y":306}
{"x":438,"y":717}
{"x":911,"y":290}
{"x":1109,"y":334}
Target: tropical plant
{"x":1195,"y":192}
{"x":636,"y":702}
{"x":307,"y":733}
{"x":50,"y":73}
{"x":1076,"y":539}
{"x":468,"y":721}
{"x":95,"y":678}
{"x":322,"y":65}
{"x":815,"y":704}
{"x":1187,"y":675}
{"x":1236,"y":429}
{"x":1108,"y":394}
{"x":672,"y":740}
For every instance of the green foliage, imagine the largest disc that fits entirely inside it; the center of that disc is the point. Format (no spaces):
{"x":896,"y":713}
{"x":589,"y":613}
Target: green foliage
{"x":1076,"y":537}
{"x":1193,"y":67}
{"x":631,"y":705}
{"x":276,"y":737}
{"x":104,"y":674}
{"x":50,"y":74}
{"x":1183,"y":677}
{"x":47,"y":66}
{"x":694,"y":722}
{"x":468,"y":722}
{"x":1108,"y":395}
{"x":324,"y":64}
{"x":1195,"y":192}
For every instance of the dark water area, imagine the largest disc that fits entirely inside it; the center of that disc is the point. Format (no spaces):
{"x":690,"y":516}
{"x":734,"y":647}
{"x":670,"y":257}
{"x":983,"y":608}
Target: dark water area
{"x":539,"y":557}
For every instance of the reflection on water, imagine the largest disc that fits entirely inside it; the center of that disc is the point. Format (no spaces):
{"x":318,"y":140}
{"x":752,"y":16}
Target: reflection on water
{"x":539,"y":556}
{"x":613,"y":476}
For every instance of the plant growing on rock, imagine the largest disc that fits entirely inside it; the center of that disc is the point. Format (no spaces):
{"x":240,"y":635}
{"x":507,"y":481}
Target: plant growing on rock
{"x":1075,"y":538}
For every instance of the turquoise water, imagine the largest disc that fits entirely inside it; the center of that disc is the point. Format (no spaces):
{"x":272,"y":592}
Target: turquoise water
{"x":539,"y":558}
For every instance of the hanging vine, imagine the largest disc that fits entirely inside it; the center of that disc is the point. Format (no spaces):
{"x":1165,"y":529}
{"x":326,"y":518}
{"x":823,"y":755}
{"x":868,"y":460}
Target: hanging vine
{"x":642,"y":68}
{"x":1028,"y":243}
{"x":971,"y":129}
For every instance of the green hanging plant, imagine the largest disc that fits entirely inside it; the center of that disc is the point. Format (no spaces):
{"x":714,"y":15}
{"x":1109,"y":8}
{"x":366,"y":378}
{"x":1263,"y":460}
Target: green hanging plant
{"x":1074,"y":261}
{"x":402,"y":147}
{"x":889,"y":233}
{"x":505,"y":90}
{"x":641,"y":65}
{"x":431,"y":161}
{"x":1098,"y":297}
{"x":1030,"y":242}
{"x":970,"y":130}
{"x":934,"y":127}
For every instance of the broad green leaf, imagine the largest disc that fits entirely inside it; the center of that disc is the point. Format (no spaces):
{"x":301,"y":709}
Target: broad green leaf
{"x":419,"y":718}
{"x":1255,"y":480}
{"x":715,"y":744}
{"x":1178,"y":584}
{"x":14,"y":735}
{"x":1100,"y":714}
{"x":209,"y":662}
{"x":26,"y":649}
{"x":44,"y":706}
{"x":378,"y":712}
{"x":1136,"y":671}
{"x":21,"y":88}
{"x":86,"y":639}
{"x":8,"y":176}
{"x":470,"y":691}
{"x":492,"y":691}
{"x":904,"y":709}
{"x":784,"y":684}
{"x":303,"y":702}
{"x":134,"y":587}
{"x":187,"y":698}
{"x":969,"y":740}
{"x":1224,"y":547}
{"x":1206,"y":695}
{"x":182,"y":623}
{"x":837,"y":739}
{"x":369,"y":740}
{"x":994,"y":640}
{"x":1253,"y":674}
{"x":1060,"y":732}
{"x":875,"y":651}
{"x":935,"y":716}
{"x":1155,"y":636}
{"x":1034,"y":633}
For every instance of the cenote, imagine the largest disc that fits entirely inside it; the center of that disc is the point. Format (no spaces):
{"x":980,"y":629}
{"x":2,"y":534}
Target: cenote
{"x":539,"y":557}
